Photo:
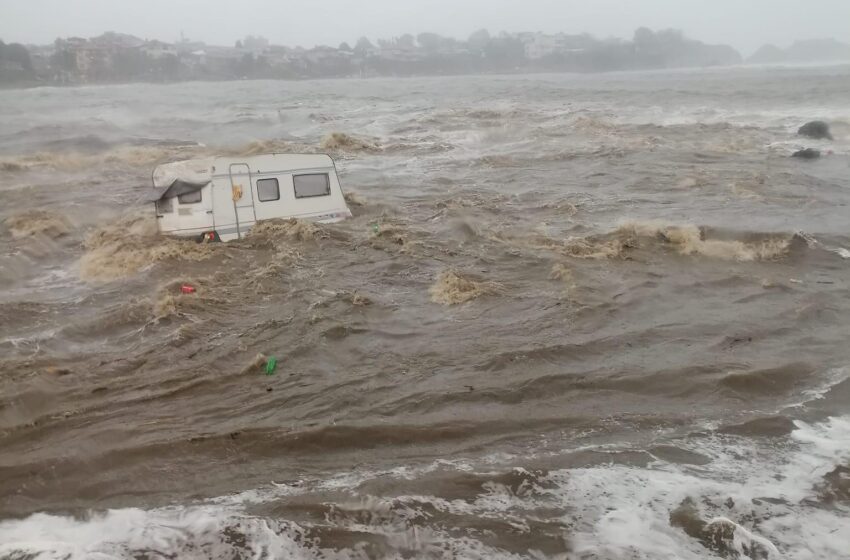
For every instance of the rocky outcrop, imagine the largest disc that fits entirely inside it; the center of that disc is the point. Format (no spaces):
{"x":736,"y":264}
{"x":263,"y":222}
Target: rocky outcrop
{"x":808,"y":153}
{"x":721,"y":535}
{"x":817,"y":130}
{"x":768,"y":54}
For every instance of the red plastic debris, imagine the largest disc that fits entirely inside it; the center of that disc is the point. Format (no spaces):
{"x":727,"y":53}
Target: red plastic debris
{"x":187,"y":289}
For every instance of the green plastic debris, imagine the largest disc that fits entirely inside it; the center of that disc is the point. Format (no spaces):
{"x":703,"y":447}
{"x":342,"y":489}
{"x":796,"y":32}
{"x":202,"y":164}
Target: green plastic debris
{"x":271,"y":365}
{"x":376,"y":228}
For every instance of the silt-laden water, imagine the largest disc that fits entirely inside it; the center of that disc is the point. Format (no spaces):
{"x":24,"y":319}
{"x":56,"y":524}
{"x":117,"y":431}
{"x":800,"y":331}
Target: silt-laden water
{"x":573,"y":317}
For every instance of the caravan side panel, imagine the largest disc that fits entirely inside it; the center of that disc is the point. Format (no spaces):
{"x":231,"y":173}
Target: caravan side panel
{"x":306,"y":194}
{"x":224,"y":214}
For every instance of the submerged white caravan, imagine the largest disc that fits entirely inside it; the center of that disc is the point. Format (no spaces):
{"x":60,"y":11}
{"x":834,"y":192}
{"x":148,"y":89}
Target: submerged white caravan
{"x":221,"y":198}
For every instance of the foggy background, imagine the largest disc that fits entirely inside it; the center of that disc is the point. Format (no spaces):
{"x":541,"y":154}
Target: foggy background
{"x":744,"y":24}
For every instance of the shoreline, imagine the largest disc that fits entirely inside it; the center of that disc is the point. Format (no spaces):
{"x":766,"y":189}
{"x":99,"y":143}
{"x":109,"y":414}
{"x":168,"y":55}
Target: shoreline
{"x":530,"y":72}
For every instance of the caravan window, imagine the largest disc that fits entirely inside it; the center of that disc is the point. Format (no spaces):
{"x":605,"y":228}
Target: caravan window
{"x":164,"y":205}
{"x":190,"y":197}
{"x":314,"y":184}
{"x":268,"y":190}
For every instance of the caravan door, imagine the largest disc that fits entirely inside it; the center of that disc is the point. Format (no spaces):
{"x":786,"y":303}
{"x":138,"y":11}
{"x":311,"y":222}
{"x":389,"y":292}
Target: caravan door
{"x":242,"y":198}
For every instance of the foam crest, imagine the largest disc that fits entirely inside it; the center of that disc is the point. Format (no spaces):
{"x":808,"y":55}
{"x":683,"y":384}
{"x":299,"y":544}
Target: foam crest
{"x":690,"y":240}
{"x":628,"y":512}
{"x":200,"y":532}
{"x":453,"y":288}
{"x":686,"y":239}
{"x":38,"y":222}
{"x":131,"y":243}
{"x":339,"y":141}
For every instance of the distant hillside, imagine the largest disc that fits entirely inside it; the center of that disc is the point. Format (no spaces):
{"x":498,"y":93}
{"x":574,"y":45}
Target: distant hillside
{"x":768,"y":54}
{"x":815,"y":50}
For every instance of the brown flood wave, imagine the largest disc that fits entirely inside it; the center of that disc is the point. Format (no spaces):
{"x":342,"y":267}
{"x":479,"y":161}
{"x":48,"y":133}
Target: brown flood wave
{"x":38,"y":222}
{"x":71,"y":158}
{"x":687,"y":240}
{"x":128,"y":245}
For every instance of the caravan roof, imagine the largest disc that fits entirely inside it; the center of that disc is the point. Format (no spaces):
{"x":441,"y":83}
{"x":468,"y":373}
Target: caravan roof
{"x":189,"y":171}
{"x":181,"y":177}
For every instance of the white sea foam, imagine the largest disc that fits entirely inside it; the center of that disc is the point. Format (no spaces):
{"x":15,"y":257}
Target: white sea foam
{"x":763,"y":491}
{"x":200,"y":532}
{"x":625,"y":511}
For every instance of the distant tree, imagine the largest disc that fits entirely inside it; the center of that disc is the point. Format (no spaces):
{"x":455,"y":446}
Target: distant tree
{"x":644,"y":37}
{"x":670,"y":37}
{"x":169,"y":67}
{"x":345,"y":47}
{"x":238,"y":45}
{"x":255,"y":43}
{"x":262,"y":67}
{"x":406,"y":41}
{"x":429,"y":41}
{"x":244,"y":67}
{"x":363,"y":46}
{"x":62,"y":59}
{"x":17,"y":54}
{"x":479,"y":40}
{"x":506,"y":50}
{"x":130,"y":64}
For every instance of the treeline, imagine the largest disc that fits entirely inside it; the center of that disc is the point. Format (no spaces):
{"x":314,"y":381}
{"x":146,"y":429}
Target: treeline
{"x":115,"y":57}
{"x":15,"y":63}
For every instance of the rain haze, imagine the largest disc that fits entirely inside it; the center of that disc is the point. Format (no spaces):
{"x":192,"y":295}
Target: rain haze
{"x":434,"y":280}
{"x":743,"y":24}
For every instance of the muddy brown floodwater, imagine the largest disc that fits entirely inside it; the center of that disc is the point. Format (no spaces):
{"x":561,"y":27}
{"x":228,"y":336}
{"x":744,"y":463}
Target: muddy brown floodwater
{"x":573,"y":317}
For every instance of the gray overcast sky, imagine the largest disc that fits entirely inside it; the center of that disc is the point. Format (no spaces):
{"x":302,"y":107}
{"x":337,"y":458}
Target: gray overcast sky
{"x":745,"y":24}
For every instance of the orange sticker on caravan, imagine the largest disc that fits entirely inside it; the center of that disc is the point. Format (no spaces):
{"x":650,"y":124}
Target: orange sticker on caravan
{"x":237,"y":192}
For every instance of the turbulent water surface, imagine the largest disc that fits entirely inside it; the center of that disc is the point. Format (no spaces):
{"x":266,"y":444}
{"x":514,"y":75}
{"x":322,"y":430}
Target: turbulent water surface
{"x":577,"y":317}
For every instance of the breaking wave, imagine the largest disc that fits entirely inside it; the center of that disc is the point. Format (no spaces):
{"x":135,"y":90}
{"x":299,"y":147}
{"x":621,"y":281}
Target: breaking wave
{"x":453,"y":288}
{"x":691,"y":240}
{"x":341,"y":142}
{"x":130,"y":244}
{"x":684,"y":239}
{"x":38,"y":222}
{"x":275,"y":230}
{"x":742,"y":502}
{"x":79,"y":161}
{"x":204,"y":532}
{"x":153,"y":154}
{"x":258,"y":147}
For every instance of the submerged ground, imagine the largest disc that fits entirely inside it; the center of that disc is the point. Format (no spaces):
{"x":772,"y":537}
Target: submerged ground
{"x":578,"y":317}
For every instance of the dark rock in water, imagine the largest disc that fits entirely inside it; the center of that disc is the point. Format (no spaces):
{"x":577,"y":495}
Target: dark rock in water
{"x":836,"y":486}
{"x":687,"y":518}
{"x":808,"y":153}
{"x":818,"y":130}
{"x":721,"y":535}
{"x":730,"y":540}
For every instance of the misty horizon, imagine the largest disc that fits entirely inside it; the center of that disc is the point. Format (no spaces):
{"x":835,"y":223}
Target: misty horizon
{"x":746,"y":28}
{"x":395,"y":37}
